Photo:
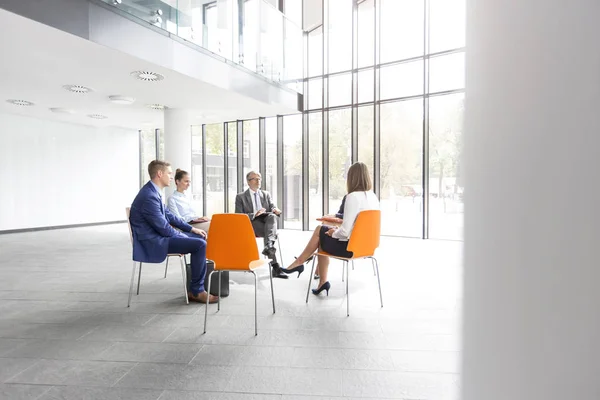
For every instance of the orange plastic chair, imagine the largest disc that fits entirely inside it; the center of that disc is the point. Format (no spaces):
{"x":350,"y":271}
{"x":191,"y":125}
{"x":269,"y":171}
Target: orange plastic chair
{"x":181,"y":260}
{"x":232,"y":247}
{"x":364,"y":240}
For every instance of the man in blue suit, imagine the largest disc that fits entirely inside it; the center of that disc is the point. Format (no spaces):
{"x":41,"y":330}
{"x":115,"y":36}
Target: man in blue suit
{"x":154,"y":237}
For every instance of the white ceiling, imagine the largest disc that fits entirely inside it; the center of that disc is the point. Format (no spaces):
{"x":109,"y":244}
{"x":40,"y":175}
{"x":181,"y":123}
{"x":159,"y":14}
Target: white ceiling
{"x":45,"y":59}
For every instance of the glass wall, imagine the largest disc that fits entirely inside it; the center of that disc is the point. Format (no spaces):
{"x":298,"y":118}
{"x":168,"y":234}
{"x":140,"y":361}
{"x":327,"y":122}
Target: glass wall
{"x":340,"y":157}
{"x":197,"y":174}
{"x":384,"y":93}
{"x":251,"y":151}
{"x":366,"y":137}
{"x":215,"y":170}
{"x":292,"y":171}
{"x":315,"y":168}
{"x":401,"y":168}
{"x":251,"y":33}
{"x":232,"y":149}
{"x":271,"y":172}
{"x":445,"y":181}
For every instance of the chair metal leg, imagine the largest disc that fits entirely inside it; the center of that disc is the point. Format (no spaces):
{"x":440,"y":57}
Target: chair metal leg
{"x":343,"y":273}
{"x":131,"y":284}
{"x":218,"y":293}
{"x":378,"y":281}
{"x":372,"y":262}
{"x":352,"y":270}
{"x":206,"y":305}
{"x":167,"y":266}
{"x":347,"y":292}
{"x":280,"y":253}
{"x":184,"y":275}
{"x":272,"y":292}
{"x":139,"y":278}
{"x":310,"y":278}
{"x":255,"y":304}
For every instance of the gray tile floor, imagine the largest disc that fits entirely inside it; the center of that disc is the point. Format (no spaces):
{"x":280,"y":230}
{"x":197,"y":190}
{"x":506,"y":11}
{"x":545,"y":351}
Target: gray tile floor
{"x":66,"y":333}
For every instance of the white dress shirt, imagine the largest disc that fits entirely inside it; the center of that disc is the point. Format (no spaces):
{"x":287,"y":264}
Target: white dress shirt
{"x":355,"y":203}
{"x":180,"y":205}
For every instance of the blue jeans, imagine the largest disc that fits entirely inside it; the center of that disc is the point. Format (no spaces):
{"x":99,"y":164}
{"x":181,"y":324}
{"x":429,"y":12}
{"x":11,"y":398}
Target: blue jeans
{"x":195,"y":245}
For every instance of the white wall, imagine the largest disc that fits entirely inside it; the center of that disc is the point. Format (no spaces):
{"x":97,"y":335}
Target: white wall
{"x":532,"y":225}
{"x":55,"y":173}
{"x":313,"y":14}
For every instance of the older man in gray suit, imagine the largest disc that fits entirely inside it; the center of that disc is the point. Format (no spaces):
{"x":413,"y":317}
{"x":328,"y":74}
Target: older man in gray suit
{"x":263,"y":213}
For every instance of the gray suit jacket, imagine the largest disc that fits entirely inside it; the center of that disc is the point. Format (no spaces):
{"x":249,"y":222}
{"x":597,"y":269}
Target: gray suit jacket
{"x":243,"y":203}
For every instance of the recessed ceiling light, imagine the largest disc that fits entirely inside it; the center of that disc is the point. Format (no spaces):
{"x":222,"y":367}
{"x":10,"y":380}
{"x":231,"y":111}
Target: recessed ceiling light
{"x":78,"y":89}
{"x":147,"y":76}
{"x":20,"y":102}
{"x":60,"y":110}
{"x":121,"y":99}
{"x":97,"y":116}
{"x":156,"y":106}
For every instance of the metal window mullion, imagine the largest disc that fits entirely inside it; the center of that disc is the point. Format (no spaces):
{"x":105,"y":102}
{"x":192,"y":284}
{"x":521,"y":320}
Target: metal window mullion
{"x":240,"y":155}
{"x":325,"y":119}
{"x":354,"y":109}
{"x":280,"y":172}
{"x":425,"y":164}
{"x":225,"y":166}
{"x":376,"y":104}
{"x":305,"y":177}
{"x":204,"y":169}
{"x":325,"y":177}
{"x":305,"y":140}
{"x":262,"y":148}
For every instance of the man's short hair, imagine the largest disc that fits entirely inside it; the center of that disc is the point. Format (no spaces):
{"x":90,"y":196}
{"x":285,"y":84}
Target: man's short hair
{"x":249,"y":175}
{"x":155,"y":166}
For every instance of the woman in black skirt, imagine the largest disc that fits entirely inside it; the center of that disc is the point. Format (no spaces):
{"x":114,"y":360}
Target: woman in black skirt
{"x":334,"y":240}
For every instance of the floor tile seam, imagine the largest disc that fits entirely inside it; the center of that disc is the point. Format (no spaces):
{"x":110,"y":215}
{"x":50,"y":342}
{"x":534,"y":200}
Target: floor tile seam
{"x":135,"y":364}
{"x":196,"y":355}
{"x":45,"y":392}
{"x":31,"y":384}
{"x":106,"y":360}
{"x":20,"y":372}
{"x":236,"y":366}
{"x":170,"y":334}
{"x":303,"y":347}
{"x":155,"y":316}
{"x":234,"y":343}
{"x":280,"y":395}
{"x":70,"y":359}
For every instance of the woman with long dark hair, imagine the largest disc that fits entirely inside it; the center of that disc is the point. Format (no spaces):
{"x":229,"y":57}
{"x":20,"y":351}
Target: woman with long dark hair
{"x":334,"y":239}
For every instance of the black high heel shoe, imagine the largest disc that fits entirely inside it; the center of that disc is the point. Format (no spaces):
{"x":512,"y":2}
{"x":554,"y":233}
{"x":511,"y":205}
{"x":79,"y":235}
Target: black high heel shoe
{"x":299,"y":269}
{"x":326,"y":286}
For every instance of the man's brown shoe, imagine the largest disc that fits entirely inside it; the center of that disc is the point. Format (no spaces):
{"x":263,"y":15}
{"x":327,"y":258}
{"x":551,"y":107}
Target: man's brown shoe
{"x":202,"y":297}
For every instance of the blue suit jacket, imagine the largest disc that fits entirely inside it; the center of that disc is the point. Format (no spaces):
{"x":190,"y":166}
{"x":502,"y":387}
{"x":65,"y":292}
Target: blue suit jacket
{"x":151,"y":224}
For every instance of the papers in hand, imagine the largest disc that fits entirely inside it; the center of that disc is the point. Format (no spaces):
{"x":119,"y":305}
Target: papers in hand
{"x":327,"y":218}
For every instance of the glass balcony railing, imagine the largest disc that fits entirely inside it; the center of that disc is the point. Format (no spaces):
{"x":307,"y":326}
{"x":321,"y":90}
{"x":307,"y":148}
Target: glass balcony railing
{"x":251,"y":33}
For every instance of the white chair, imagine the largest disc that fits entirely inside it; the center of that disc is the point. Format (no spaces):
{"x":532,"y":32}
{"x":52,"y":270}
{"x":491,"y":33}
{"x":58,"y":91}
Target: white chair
{"x":181,"y":260}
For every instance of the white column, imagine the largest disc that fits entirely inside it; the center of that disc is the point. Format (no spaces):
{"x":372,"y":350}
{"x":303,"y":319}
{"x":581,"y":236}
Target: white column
{"x":178,"y":141}
{"x":532,"y":204}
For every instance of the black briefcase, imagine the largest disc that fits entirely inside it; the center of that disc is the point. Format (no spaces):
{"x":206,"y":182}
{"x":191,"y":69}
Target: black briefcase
{"x":214,"y":285}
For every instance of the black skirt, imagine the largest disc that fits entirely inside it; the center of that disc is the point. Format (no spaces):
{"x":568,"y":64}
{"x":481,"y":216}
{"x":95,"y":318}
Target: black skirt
{"x":333,"y":246}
